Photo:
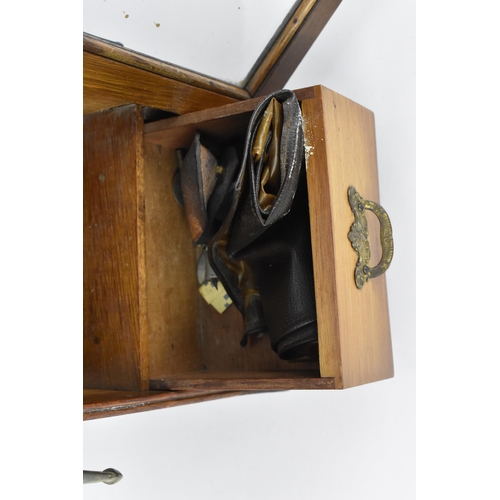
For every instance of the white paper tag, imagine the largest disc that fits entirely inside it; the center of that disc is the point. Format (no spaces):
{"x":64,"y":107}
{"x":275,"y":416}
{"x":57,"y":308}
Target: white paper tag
{"x":216,"y":296}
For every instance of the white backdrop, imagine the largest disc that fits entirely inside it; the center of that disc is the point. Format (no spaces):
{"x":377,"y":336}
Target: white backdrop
{"x":356,"y":444}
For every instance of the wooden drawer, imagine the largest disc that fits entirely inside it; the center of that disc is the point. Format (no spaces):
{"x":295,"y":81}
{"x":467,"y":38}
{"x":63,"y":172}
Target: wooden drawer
{"x":146,"y":326}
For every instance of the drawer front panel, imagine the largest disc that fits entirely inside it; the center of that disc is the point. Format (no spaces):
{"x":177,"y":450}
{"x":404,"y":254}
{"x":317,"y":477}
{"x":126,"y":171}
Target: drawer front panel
{"x":354,"y":330}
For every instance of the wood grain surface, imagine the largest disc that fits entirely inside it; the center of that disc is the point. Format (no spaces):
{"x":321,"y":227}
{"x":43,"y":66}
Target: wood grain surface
{"x":103,"y":403}
{"x":222,"y":123}
{"x":129,"y":57}
{"x":137,"y":245}
{"x":114,"y":299}
{"x":354,"y":330}
{"x":272,"y":70}
{"x":296,"y":48}
{"x":246,"y":381}
{"x":172,"y":286}
{"x":108,"y":83}
{"x":274,"y":52}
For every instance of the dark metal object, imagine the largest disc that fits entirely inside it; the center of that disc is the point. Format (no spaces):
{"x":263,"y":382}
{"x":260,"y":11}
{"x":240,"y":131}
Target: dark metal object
{"x":358,"y":236}
{"x":108,"y":476}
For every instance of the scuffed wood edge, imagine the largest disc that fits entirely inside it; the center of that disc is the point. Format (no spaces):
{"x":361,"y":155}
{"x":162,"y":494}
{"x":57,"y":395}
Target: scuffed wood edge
{"x":245,"y":381}
{"x":296,"y":48}
{"x":118,"y":53}
{"x":152,"y":401}
{"x":269,"y":59}
{"x":320,"y":203}
{"x":141,"y":255}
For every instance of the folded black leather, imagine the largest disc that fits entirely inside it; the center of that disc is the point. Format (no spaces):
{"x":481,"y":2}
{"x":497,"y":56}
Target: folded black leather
{"x":222,"y":194}
{"x":207,"y":184}
{"x":262,"y":251}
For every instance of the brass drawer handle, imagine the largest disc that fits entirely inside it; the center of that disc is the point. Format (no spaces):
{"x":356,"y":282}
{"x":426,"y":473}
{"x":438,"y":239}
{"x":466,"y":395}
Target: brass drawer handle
{"x":358,"y":236}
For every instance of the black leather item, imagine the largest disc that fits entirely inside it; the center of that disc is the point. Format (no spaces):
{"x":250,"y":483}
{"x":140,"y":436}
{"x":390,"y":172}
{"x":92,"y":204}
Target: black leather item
{"x":281,"y":260}
{"x":262,"y":254}
{"x":207,"y":184}
{"x":220,"y":200}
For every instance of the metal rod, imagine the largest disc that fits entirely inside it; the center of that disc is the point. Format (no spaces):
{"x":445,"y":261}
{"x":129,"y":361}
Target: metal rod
{"x":108,"y":476}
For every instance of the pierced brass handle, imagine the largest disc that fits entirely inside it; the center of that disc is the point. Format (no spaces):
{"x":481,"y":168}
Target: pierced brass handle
{"x":358,"y":236}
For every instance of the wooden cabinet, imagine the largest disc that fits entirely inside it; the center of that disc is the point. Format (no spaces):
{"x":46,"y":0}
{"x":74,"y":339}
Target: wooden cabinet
{"x":150,"y":340}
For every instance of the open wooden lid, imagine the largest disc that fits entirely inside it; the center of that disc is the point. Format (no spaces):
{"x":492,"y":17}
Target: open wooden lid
{"x":281,"y":56}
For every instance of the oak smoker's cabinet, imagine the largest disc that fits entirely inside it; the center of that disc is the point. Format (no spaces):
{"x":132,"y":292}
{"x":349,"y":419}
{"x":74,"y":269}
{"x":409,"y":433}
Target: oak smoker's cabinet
{"x":150,"y":340}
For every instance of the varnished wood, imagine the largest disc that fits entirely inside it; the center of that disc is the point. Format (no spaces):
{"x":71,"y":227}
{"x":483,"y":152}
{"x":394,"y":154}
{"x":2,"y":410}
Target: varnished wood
{"x":101,"y":403}
{"x":295,"y":50}
{"x":223,"y":123}
{"x":143,"y":329}
{"x":283,"y":39}
{"x":355,"y":336}
{"x":108,"y":83}
{"x":184,"y":344}
{"x":114,"y":290}
{"x":353,"y":325}
{"x":246,"y":381}
{"x":271,"y":72}
{"x":129,"y":57}
{"x":173,"y":318}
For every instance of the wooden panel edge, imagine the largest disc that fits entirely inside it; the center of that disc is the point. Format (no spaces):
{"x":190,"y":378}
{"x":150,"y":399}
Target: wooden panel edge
{"x":244,"y":381}
{"x":141,"y":255}
{"x":295,"y":50}
{"x":108,"y":83}
{"x":322,"y":238}
{"x":132,"y":374}
{"x":130,"y":57}
{"x":269,"y":59}
{"x":153,"y":130}
{"x":116,"y":403}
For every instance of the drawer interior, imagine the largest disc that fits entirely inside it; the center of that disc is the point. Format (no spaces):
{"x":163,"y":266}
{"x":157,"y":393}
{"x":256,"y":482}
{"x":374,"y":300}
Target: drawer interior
{"x":191,"y":345}
{"x":146,"y":327}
